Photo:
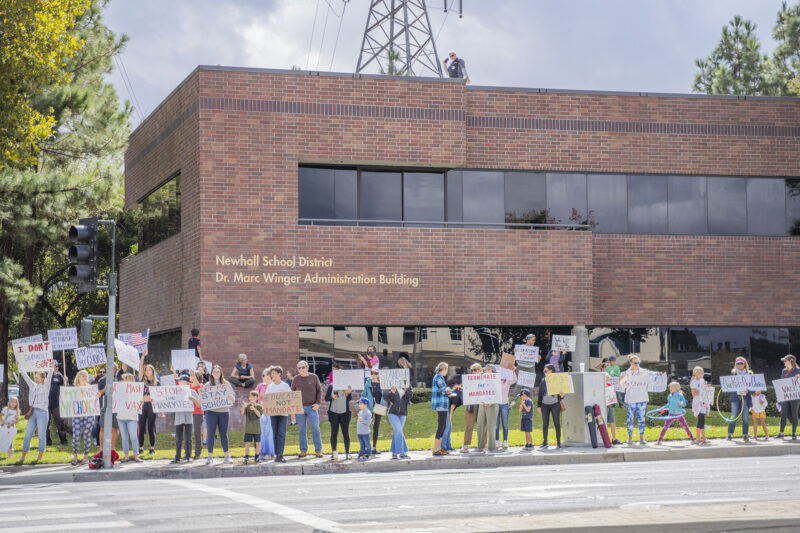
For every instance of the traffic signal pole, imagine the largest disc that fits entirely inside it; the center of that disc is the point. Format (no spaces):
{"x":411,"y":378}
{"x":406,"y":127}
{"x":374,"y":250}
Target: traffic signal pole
{"x":110,"y":334}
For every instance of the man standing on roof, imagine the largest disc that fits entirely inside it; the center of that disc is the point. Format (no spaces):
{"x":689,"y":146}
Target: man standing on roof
{"x":457,"y":69}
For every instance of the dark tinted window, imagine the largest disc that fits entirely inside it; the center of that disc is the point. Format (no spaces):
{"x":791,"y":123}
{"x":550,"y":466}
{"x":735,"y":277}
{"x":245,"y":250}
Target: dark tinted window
{"x":423,"y":196}
{"x":727,"y":206}
{"x":766,"y":206}
{"x":454,"y":207}
{"x":161,"y":214}
{"x":687,"y":205}
{"x":345,"y":192}
{"x":768,"y":345}
{"x":793,"y":206}
{"x":647,"y":204}
{"x":608,"y":202}
{"x":315,"y":192}
{"x":566,"y":197}
{"x":525,"y":197}
{"x":381,"y":197}
{"x":483,"y":196}
{"x":726,"y":345}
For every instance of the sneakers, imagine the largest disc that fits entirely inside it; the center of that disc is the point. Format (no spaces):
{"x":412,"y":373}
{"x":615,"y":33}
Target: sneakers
{"x":279,"y":459}
{"x":746,"y":438}
{"x":779,"y":435}
{"x":404,"y":456}
{"x":465,"y":449}
{"x":730,"y":436}
{"x":246,"y":459}
{"x":630,"y":441}
{"x":302,"y":454}
{"x":505,"y":444}
{"x":395,"y":456}
{"x":227,"y":459}
{"x":318,"y":454}
{"x":615,"y":442}
{"x":558,"y":446}
{"x":209,"y":461}
{"x":658,"y":442}
{"x":175,"y":462}
{"x":642,"y":441}
{"x":544,"y":446}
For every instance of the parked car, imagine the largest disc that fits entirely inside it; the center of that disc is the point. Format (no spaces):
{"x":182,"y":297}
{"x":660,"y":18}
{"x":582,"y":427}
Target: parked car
{"x":13,"y":391}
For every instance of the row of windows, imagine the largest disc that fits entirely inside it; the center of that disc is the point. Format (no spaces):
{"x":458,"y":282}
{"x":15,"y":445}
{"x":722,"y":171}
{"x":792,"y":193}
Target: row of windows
{"x":161,"y":214}
{"x":610,"y":203}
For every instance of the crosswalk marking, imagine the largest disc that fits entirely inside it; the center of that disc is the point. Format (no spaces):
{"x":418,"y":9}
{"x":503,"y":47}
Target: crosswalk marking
{"x":53,"y":516}
{"x":70,"y":527}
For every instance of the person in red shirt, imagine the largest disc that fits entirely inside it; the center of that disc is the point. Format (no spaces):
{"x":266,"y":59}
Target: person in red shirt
{"x":371,"y":360}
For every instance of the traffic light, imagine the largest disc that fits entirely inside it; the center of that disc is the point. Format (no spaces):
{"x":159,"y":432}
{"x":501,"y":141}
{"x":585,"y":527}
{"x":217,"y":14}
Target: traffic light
{"x":86,"y":332}
{"x":83,"y":254}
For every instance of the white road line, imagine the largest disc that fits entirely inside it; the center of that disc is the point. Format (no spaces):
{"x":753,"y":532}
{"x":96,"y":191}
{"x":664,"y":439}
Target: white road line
{"x":688,"y":501}
{"x":295,"y":515}
{"x":26,"y":498}
{"x":70,"y":527}
{"x":52,"y":506}
{"x":52,"y":516}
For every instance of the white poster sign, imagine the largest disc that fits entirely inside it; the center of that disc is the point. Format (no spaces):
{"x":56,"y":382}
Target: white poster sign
{"x":348,"y":378}
{"x":127,"y":354}
{"x":125,"y":337}
{"x":171,"y":399}
{"x":34,"y":356}
{"x":184,"y":359}
{"x":215,"y":397}
{"x":614,"y":382}
{"x":506,"y":374}
{"x":32,"y":338}
{"x":167,"y":381}
{"x":563,"y":343}
{"x":708,"y":395}
{"x":88,"y":356}
{"x":657,"y":383}
{"x":481,"y":388}
{"x":78,"y":402}
{"x":7,"y":435}
{"x":743,"y":382}
{"x":787,"y":389}
{"x":63,"y":339}
{"x":127,"y":399}
{"x":526,"y":379}
{"x":526,"y":354}
{"x":394,"y":377}
{"x":2,"y":372}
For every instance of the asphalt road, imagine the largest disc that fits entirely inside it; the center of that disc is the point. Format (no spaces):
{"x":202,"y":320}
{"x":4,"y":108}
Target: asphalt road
{"x":751,"y":494}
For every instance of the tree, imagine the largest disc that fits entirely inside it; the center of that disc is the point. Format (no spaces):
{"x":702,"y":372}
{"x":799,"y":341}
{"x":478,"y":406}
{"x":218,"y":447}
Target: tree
{"x":35,"y":42}
{"x":78,"y":172}
{"x":786,"y":57}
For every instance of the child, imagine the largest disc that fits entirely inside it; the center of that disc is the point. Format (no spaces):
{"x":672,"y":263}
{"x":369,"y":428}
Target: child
{"x":362,"y":428}
{"x":10,"y":417}
{"x":184,"y":421}
{"x":699,"y":406}
{"x":675,"y":404}
{"x":252,"y":428}
{"x":759,"y":411}
{"x":526,"y":423}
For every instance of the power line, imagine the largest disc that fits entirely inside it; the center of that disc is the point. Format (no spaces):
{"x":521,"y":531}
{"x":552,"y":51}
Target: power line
{"x":334,"y":11}
{"x":336,"y":42}
{"x":129,"y":87}
{"x":322,"y":41}
{"x":311,"y":40}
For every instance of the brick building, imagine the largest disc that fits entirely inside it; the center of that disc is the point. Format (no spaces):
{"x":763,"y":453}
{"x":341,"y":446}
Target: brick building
{"x":291,"y":214}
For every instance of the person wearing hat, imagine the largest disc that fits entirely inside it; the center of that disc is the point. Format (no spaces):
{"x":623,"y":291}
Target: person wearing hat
{"x":456,"y":69}
{"x":55,"y":413}
{"x":789,"y":409}
{"x":613,"y":371}
{"x":526,"y":420}
{"x":362,"y":429}
{"x":741,"y":401}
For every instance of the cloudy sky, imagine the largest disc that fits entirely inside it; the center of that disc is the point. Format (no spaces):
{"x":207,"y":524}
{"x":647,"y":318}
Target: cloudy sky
{"x":625,"y":45}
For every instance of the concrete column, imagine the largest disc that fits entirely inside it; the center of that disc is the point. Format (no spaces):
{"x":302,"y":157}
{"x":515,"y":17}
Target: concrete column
{"x":581,"y":354}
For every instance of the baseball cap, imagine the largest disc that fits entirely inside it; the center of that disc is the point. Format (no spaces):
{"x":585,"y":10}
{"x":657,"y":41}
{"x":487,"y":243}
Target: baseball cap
{"x":363,"y":400}
{"x":612,"y":357}
{"x":789,"y":357}
{"x":529,"y":336}
{"x":741,"y":360}
{"x":526,"y":392}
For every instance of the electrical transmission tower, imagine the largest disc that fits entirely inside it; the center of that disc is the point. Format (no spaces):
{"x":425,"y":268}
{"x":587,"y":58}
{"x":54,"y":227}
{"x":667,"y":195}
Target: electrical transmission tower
{"x":398,"y":38}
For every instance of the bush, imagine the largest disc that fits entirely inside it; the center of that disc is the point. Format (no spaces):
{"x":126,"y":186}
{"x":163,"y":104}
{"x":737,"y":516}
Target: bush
{"x":422,"y":395}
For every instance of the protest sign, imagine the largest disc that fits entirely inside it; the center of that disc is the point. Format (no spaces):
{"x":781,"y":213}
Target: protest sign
{"x":78,"y":402}
{"x":348,"y":378}
{"x":34,"y":356}
{"x":86,"y":356}
{"x":708,"y":395}
{"x":481,"y":388}
{"x":171,"y":399}
{"x":614,"y":381}
{"x":283,"y":403}
{"x":127,"y":399}
{"x":559,"y":383}
{"x":563,"y":343}
{"x":167,"y":381}
{"x":125,"y":337}
{"x":657,"y":383}
{"x":638,"y":381}
{"x":7,"y":435}
{"x":184,"y":359}
{"x":743,"y":382}
{"x":526,"y":354}
{"x":507,"y":366}
{"x":126,"y":354}
{"x":215,"y":397}
{"x":394,"y":377}
{"x":2,"y":372}
{"x":32,"y":338}
{"x":526,"y":379}
{"x":787,"y":389}
{"x":63,"y":339}
{"x":611,"y":395}
{"x":506,"y":374}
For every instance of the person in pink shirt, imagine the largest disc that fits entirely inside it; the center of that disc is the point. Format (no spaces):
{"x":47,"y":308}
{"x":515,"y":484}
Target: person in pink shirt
{"x":502,"y":414}
{"x":370,"y":360}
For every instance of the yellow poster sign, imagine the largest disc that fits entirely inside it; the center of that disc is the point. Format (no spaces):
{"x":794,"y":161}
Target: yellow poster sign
{"x":559,"y":383}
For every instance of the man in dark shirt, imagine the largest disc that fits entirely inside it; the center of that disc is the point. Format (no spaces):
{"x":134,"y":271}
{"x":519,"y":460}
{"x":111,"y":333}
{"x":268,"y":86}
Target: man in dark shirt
{"x":456,"y":69}
{"x":194,"y":342}
{"x":55,"y":414}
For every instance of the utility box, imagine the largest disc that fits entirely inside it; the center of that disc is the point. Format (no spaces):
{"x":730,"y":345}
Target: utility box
{"x":589,"y":390}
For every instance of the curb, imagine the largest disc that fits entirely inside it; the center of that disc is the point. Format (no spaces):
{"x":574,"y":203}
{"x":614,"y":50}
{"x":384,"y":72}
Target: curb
{"x":8,"y":476}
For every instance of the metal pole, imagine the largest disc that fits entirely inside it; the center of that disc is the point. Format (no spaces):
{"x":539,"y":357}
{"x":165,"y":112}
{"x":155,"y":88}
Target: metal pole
{"x":408,"y":44}
{"x":111,"y":332}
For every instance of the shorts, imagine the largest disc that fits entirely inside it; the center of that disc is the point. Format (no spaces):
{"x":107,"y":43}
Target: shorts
{"x":759,"y":416}
{"x":526,"y":425}
{"x":611,"y":417}
{"x":252,"y":437}
{"x":114,"y":423}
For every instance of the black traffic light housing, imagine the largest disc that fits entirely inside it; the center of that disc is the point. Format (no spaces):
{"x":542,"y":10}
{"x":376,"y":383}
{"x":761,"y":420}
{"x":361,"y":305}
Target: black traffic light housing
{"x":83,"y":254}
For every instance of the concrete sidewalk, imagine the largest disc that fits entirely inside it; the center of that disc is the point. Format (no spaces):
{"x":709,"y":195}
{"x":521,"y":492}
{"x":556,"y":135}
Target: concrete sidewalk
{"x":419,"y":460}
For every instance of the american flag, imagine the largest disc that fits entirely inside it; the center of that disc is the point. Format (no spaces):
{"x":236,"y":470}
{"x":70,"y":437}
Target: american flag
{"x":140,"y":339}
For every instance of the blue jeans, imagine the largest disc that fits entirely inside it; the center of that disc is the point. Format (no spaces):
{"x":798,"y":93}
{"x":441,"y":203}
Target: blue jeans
{"x":38,"y":423}
{"x":128,"y":430}
{"x":279,"y":432}
{"x":216,"y":420}
{"x":636,"y":410}
{"x":446,"y":445}
{"x":737,"y":406}
{"x":399,"y":446}
{"x":502,"y":416}
{"x":363,"y":448}
{"x":313,"y":420}
{"x":267,"y":442}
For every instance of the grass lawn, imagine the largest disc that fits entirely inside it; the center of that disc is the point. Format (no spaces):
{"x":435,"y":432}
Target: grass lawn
{"x":419,"y":430}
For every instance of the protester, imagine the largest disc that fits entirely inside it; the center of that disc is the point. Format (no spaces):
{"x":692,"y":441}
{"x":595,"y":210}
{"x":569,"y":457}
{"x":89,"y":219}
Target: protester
{"x":127,"y":429}
{"x":201,"y":367}
{"x":198,"y":420}
{"x":81,"y":425}
{"x":252,"y":430}
{"x":184,"y":420}
{"x":242,"y":374}
{"x":289,"y":377}
{"x":699,"y":406}
{"x":371,"y":360}
{"x":384,"y":361}
{"x":487,"y":421}
{"x":10,"y":417}
{"x":147,"y":419}
{"x":611,"y":416}
{"x":362,"y":429}
{"x":55,"y":413}
{"x":790,"y":410}
{"x":278,"y":422}
{"x":439,"y":403}
{"x":194,"y":342}
{"x":558,"y":359}
{"x":454,"y":400}
{"x":470,"y":414}
{"x":526,"y":417}
{"x":219,"y":417}
{"x":456,"y":69}
{"x":339,"y":418}
{"x":373,"y":393}
{"x":675,"y":411}
{"x":740,"y":401}
{"x":311,"y":388}
{"x":267,"y":450}
{"x":636,"y":398}
{"x":614,"y":371}
{"x":502,"y":413}
{"x":403,"y":362}
{"x":549,"y":406}
{"x":37,"y":415}
{"x":759,"y":411}
{"x":101,"y":373}
{"x":397,"y":401}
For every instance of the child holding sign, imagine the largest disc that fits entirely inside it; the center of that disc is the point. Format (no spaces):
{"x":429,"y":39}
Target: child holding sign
{"x":759,"y":411}
{"x":252,"y":427}
{"x":8,"y":425}
{"x":81,"y":426}
{"x":699,"y":405}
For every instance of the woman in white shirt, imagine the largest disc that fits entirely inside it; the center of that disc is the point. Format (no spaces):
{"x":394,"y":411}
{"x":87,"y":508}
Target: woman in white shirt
{"x":634,"y":382}
{"x":39,"y":401}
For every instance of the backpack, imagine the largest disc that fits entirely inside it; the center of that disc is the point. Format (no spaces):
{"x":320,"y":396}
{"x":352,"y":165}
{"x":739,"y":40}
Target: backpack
{"x":97,"y":460}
